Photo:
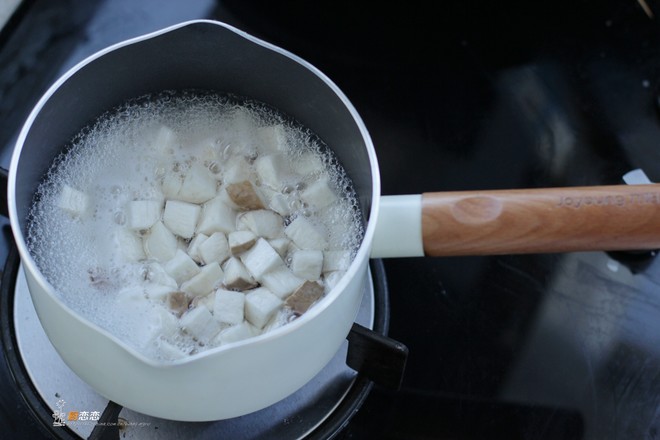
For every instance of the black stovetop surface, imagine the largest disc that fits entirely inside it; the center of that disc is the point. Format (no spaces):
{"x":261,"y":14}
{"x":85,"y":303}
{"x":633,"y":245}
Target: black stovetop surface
{"x":473,"y":95}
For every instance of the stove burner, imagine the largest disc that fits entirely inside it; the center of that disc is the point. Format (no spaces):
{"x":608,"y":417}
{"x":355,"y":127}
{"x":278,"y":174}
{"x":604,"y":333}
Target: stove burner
{"x":318,"y":410}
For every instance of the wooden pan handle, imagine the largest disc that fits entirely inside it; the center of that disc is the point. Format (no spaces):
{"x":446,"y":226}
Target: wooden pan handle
{"x":622,"y":217}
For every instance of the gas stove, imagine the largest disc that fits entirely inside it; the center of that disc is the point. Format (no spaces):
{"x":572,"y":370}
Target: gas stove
{"x":479,"y":96}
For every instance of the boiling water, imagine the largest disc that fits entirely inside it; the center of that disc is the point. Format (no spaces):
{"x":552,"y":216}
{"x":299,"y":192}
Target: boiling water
{"x":123,"y":157}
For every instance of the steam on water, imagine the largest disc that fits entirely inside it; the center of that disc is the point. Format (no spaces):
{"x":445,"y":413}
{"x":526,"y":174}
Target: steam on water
{"x":123,"y":157}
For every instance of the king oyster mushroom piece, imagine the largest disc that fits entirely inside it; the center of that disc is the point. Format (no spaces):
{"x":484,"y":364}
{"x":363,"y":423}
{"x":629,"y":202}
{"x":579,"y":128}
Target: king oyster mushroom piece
{"x":244,"y":195}
{"x":302,"y":299}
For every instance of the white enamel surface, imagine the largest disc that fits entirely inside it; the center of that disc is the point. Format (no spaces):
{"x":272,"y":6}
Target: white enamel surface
{"x":399,"y":227}
{"x":222,"y":383}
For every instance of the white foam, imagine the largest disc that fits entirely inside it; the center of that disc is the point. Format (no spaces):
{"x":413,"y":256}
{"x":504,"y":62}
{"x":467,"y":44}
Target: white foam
{"x":123,"y":157}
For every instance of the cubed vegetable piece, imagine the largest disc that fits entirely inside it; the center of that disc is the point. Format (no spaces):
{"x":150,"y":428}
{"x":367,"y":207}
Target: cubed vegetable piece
{"x":263,"y":222}
{"x":164,"y":140}
{"x":155,"y":273}
{"x":332,"y":279}
{"x":244,"y":195}
{"x":207,"y":301}
{"x":237,"y":276}
{"x":237,"y":169}
{"x":236,"y":333}
{"x":198,"y":185}
{"x":181,"y":267}
{"x":281,"y":204}
{"x":129,"y":244}
{"x":199,"y":323}
{"x":229,"y":306}
{"x":271,"y":138}
{"x":281,"y":281}
{"x":308,"y":163}
{"x":215,"y":248}
{"x":260,"y":306}
{"x":208,"y":278}
{"x":168,"y":351}
{"x":143,"y":214}
{"x":281,"y":245}
{"x":181,"y":217}
{"x":261,"y":259}
{"x":305,"y":234}
{"x":160,"y":243}
{"x":193,"y":247}
{"x":73,"y":201}
{"x":241,"y":241}
{"x":336,"y":260}
{"x":216,"y":217}
{"x":307,"y":264}
{"x":177,"y":302}
{"x":319,"y":194}
{"x":158,"y":292}
{"x":272,"y":169}
{"x":302,"y":299}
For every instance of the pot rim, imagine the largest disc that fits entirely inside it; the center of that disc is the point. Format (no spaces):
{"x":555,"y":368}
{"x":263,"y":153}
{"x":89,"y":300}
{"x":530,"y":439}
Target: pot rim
{"x":362,"y":254}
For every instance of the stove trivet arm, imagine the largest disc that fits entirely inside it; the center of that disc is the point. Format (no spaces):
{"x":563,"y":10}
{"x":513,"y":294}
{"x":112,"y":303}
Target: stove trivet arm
{"x":107,"y":427}
{"x":379,"y":358}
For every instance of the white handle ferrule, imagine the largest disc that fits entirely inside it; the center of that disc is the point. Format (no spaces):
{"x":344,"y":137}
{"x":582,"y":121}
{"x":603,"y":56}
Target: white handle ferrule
{"x":399,"y":228}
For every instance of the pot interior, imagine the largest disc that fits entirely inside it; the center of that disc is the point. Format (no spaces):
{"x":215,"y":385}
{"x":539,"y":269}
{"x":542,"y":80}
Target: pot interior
{"x":197,"y":55}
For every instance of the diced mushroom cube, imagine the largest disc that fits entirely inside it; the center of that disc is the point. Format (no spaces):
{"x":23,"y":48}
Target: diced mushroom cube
{"x":177,"y":302}
{"x":244,"y":195}
{"x":319,"y":194}
{"x":207,"y":301}
{"x":168,"y":351}
{"x":198,"y":185}
{"x":263,"y":222}
{"x":181,"y":267}
{"x":181,"y":217}
{"x":272,"y":169}
{"x":155,"y":273}
{"x":332,"y":279}
{"x":336,"y":260}
{"x":306,"y":295}
{"x":271,"y":138}
{"x":158,"y":292}
{"x":307,"y":264}
{"x":160,"y":243}
{"x":260,"y":306}
{"x":240,"y":241}
{"x":308,"y":163}
{"x":73,"y":201}
{"x":171,"y":185}
{"x":199,"y":323}
{"x":281,"y":245}
{"x":237,"y":276}
{"x":305,"y":234}
{"x":281,"y":204}
{"x":129,"y":244}
{"x":143,"y":214}
{"x":165,"y":322}
{"x":193,"y":247}
{"x":164,"y":140}
{"x":216,"y":217}
{"x":215,"y":248}
{"x":237,"y":169}
{"x":229,"y":306}
{"x":236,"y":333}
{"x":261,"y":259}
{"x":208,"y":278}
{"x":281,"y":281}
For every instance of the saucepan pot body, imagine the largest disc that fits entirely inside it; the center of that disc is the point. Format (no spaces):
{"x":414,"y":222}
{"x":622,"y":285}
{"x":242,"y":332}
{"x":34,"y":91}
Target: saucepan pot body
{"x":248,"y":375}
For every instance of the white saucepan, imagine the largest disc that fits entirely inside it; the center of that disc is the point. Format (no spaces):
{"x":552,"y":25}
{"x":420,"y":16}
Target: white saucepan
{"x":246,"y":376}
